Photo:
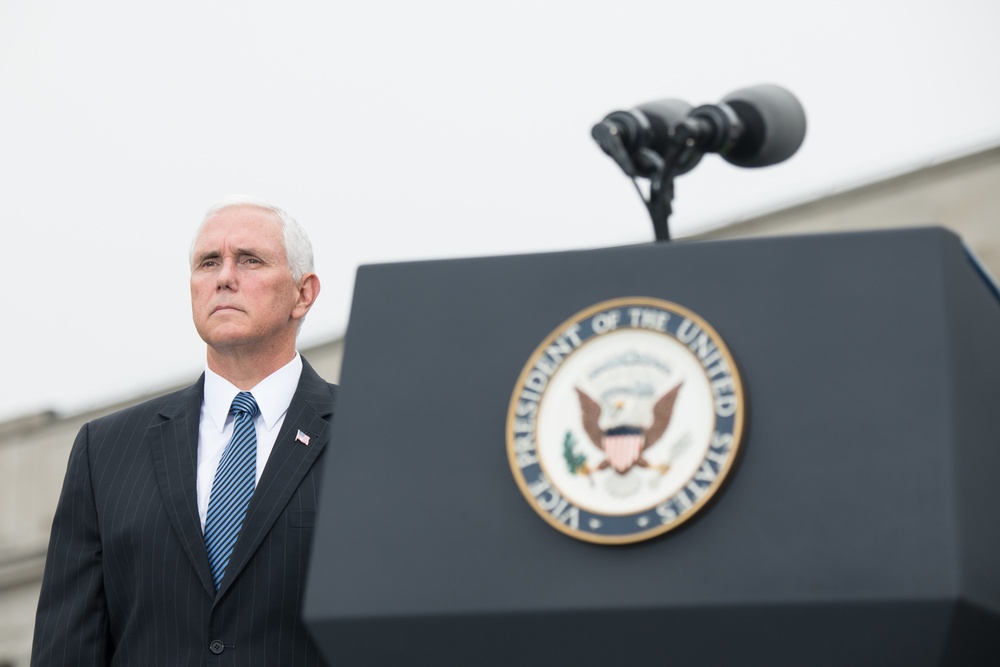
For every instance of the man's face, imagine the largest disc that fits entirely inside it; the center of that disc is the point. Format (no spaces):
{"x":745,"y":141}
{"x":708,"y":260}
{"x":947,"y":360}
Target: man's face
{"x":242,"y":292}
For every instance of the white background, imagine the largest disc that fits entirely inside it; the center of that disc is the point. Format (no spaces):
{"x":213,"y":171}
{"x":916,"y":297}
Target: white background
{"x":403,"y":130}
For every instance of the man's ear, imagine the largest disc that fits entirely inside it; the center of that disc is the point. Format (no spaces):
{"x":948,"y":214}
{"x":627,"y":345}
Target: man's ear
{"x":308,"y":290}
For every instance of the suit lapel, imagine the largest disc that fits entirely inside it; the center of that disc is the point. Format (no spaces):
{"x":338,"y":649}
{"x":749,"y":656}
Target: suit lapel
{"x":173,"y":444}
{"x":310,"y":411}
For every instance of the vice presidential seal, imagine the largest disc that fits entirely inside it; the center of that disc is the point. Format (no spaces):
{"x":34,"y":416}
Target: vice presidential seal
{"x":625,"y":421}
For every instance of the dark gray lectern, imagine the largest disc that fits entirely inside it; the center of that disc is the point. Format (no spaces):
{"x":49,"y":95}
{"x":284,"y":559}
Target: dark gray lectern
{"x":861,"y":525}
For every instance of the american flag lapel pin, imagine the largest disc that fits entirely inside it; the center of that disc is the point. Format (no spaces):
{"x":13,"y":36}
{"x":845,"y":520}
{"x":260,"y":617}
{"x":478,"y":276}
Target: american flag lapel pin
{"x":302,"y":437}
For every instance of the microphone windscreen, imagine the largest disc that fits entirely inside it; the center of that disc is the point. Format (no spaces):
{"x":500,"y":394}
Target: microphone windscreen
{"x":670,"y":111}
{"x":774,"y":125}
{"x":662,"y":116}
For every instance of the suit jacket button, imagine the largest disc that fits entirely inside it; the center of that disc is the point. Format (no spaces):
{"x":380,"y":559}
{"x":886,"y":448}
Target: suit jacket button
{"x":216,"y":647}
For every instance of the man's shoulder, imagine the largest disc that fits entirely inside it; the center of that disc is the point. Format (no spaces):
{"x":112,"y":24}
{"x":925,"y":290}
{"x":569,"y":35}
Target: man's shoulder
{"x":158,"y":407}
{"x":311,"y":381}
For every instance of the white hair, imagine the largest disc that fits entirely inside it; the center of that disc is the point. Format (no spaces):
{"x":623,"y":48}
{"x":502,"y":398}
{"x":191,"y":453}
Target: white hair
{"x":298,"y":249}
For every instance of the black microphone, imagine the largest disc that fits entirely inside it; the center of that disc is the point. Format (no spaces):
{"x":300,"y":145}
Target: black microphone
{"x":628,"y":136}
{"x":751,"y":127}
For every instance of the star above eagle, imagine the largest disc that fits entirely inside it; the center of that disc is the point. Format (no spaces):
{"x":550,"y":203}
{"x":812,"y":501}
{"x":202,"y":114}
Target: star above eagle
{"x":624,"y":444}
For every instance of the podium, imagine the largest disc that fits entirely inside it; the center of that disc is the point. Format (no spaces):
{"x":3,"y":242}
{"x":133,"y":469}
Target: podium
{"x":859,"y":526}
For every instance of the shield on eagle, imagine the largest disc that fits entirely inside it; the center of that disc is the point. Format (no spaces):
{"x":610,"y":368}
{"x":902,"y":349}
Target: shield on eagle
{"x":624,"y":444}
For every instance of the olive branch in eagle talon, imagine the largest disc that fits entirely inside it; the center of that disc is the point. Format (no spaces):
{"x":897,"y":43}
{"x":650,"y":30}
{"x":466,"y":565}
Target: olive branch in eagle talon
{"x":577,"y":463}
{"x":624,"y":444}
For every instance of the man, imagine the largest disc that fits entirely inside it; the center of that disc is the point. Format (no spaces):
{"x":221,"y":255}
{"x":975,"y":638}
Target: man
{"x":184,"y":526}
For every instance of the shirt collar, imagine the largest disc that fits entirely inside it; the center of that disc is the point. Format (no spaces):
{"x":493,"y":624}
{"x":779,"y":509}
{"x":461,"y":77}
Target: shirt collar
{"x":273,"y":394}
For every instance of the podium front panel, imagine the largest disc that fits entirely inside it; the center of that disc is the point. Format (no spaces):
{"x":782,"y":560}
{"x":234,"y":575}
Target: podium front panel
{"x":842,"y":531}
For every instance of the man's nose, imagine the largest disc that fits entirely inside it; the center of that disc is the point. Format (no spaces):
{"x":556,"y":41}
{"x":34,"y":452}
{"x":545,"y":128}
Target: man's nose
{"x":226,"y":276}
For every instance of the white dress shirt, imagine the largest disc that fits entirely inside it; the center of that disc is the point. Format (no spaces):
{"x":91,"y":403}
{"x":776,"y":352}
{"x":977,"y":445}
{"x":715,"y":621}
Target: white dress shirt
{"x":273,"y":394}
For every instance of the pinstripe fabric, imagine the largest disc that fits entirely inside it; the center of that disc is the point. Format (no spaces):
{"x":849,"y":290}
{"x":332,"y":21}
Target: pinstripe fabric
{"x":127,"y":579}
{"x":232,"y":487}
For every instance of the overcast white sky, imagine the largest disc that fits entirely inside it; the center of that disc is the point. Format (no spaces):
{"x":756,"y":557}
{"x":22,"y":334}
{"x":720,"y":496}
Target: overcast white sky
{"x":403,"y":130}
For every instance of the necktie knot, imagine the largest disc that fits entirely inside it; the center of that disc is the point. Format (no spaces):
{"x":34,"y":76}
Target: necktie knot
{"x":244,"y":402}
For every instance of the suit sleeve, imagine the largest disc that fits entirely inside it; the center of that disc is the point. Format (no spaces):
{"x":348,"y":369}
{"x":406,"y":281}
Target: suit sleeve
{"x":71,"y":627}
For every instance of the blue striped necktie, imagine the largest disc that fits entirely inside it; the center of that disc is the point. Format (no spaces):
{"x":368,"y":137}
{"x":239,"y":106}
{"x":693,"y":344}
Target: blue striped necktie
{"x":234,"y":483}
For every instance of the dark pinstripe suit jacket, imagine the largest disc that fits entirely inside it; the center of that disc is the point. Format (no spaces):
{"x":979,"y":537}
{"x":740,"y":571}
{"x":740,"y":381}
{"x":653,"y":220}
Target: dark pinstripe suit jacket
{"x":127,"y":580}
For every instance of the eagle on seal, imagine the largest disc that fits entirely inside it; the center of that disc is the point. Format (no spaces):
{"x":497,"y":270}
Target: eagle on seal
{"x":623,"y":444}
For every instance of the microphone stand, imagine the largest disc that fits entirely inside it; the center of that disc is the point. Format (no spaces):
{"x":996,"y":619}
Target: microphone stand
{"x":661,"y":170}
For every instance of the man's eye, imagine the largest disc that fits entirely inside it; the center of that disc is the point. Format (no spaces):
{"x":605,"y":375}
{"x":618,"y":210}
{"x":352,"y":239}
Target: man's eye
{"x":208,"y":263}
